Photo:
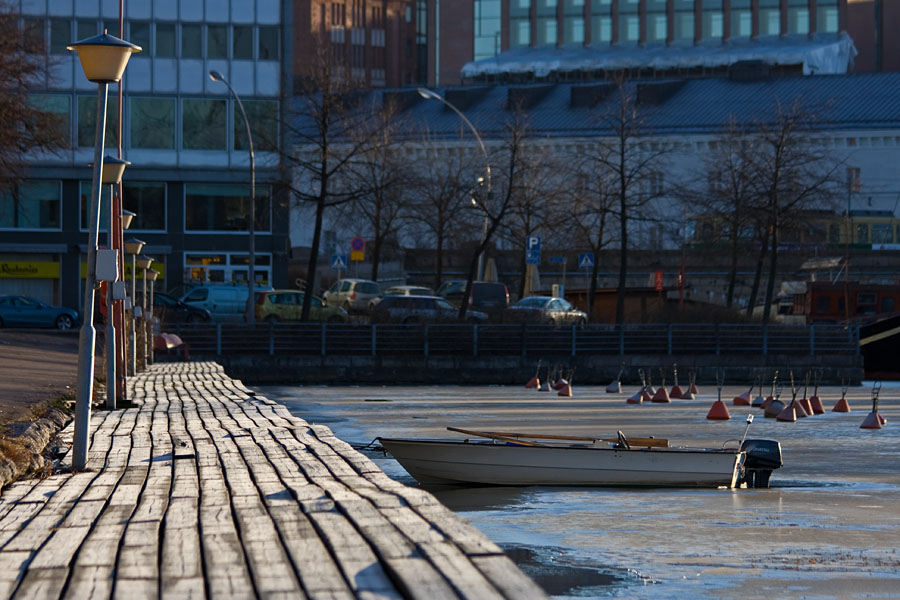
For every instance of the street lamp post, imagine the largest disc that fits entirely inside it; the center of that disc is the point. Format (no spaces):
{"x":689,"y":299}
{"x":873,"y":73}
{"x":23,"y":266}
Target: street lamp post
{"x":133,"y":246}
{"x":251,"y":221}
{"x":430,"y":95}
{"x":111,"y":175}
{"x":144,"y":263}
{"x":150,"y":275}
{"x":103,"y":58}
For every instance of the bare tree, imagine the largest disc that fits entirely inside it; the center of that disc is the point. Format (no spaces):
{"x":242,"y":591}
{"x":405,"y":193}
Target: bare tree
{"x":629,"y":165}
{"x":594,"y":207}
{"x":29,"y":124}
{"x":790,"y":175}
{"x":444,"y":188}
{"x":329,"y":131}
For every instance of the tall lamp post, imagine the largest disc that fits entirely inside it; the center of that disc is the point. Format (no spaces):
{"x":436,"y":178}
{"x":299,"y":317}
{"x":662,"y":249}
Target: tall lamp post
{"x":251,"y":221}
{"x":111,"y":175}
{"x":121,"y":339}
{"x":103,"y":58}
{"x":144,"y":263}
{"x":430,"y":95}
{"x":133,"y":246}
{"x":150,"y":275}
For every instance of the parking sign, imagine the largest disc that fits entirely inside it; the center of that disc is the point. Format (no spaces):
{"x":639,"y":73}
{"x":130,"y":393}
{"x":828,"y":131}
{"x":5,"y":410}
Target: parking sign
{"x":533,"y":250}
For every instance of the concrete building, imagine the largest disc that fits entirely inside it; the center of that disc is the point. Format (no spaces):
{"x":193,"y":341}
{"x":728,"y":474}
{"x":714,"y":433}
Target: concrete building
{"x":189,"y":181}
{"x":457,"y":33}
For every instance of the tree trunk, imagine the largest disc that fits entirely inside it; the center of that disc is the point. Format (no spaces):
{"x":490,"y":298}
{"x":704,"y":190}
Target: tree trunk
{"x":732,"y":272}
{"x":376,"y":250}
{"x":313,"y":260}
{"x":592,"y":287}
{"x":523,"y":277}
{"x":773,"y":270}
{"x":439,"y":259}
{"x":623,"y":262}
{"x":760,"y":260}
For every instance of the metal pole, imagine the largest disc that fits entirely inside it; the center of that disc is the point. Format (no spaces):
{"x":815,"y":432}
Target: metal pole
{"x":150,"y":342}
{"x":87,"y":338}
{"x":133,"y":340}
{"x":111,"y":381}
{"x":144,"y":320}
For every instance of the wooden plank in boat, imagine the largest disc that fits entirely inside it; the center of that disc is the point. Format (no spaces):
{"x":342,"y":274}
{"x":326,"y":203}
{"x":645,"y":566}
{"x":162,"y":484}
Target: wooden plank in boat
{"x":648,"y":442}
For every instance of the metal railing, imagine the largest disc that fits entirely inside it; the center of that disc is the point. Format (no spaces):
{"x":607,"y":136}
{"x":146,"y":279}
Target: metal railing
{"x":327,"y":339}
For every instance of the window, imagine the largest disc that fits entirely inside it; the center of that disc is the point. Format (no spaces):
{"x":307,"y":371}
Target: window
{"x":741,"y":19}
{"x":140,"y":35}
{"x":86,"y":29}
{"x":165,"y":40}
{"x":84,"y":201}
{"x":862,"y":233}
{"x":798,"y":16}
{"x":268,"y":43}
{"x":191,"y":41}
{"x":629,"y":22}
{"x":263,"y":117}
{"x":684,"y":20}
{"x":153,"y":123}
{"x":882,"y":233}
{"x":223,"y":207}
{"x":33,"y":29}
{"x":55,"y":117}
{"x":827,"y":16}
{"x":60,"y":36}
{"x":854,"y":183}
{"x":519,"y":23}
{"x":769,"y":17}
{"x":203,"y":124}
{"x":888,"y":304}
{"x":657,"y":21}
{"x":487,"y":28}
{"x":242,"y":44}
{"x":573,"y":22}
{"x":713,"y":24}
{"x":87,"y":120}
{"x":216,"y":41}
{"x":823,"y":305}
{"x":865,"y":304}
{"x":601,"y":21}
{"x":546,"y":22}
{"x":30,"y":205}
{"x":148,"y":201}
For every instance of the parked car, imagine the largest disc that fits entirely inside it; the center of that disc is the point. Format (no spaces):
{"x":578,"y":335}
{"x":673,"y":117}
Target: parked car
{"x":171,"y":310}
{"x":544,"y":309}
{"x":224,"y":302}
{"x":487,"y":296}
{"x":24,"y":311}
{"x":403,"y":290}
{"x":352,"y":294}
{"x":287,"y":305}
{"x":419,"y":309}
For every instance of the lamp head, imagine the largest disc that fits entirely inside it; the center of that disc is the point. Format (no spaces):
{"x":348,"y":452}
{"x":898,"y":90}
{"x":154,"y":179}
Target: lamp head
{"x":216,"y":76}
{"x":134,"y":245}
{"x":151,"y":274}
{"x":144,"y":262}
{"x":127,"y":217}
{"x":427,"y":94}
{"x":103,"y":57}
{"x":113,"y":169}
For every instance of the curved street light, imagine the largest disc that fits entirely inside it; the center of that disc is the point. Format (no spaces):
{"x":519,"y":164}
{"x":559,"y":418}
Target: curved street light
{"x":251,"y":221}
{"x":431,"y":95}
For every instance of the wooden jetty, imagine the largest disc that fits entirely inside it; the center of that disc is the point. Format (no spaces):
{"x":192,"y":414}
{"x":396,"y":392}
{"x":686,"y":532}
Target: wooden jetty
{"x":208,"y":491}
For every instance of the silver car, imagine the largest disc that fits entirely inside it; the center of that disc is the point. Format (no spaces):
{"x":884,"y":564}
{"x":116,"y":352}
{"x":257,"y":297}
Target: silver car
{"x":352,"y":294}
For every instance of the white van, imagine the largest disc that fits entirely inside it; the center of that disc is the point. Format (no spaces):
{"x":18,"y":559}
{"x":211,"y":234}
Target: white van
{"x":224,"y":302}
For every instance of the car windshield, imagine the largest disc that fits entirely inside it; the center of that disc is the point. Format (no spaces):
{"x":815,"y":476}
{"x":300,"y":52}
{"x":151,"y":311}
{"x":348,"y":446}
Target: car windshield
{"x":449,"y":287}
{"x":443,"y":304}
{"x":532,"y":302}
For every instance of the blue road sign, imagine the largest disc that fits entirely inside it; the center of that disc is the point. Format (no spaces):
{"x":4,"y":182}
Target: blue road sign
{"x":558,"y":259}
{"x":338,"y":262}
{"x":586,"y":260}
{"x":533,"y":250}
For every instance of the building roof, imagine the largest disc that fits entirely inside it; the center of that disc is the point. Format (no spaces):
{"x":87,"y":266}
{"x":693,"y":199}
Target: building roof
{"x":860,"y":101}
{"x":820,"y":54}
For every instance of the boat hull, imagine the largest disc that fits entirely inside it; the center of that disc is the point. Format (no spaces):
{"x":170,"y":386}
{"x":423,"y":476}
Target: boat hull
{"x":459,"y":463}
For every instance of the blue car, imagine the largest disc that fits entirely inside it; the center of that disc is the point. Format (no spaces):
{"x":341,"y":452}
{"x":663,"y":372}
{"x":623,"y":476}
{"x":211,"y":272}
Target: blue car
{"x":22,"y":311}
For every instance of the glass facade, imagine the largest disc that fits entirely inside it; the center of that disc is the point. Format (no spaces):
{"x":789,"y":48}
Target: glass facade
{"x":519,"y":23}
{"x":242,"y":42}
{"x":798,"y":16}
{"x":684,"y":20}
{"x":827,"y":16}
{"x":741,"y":19}
{"x":573,"y":22}
{"x":487,"y":28}
{"x":263,"y":117}
{"x":203,"y":124}
{"x":31,"y":205}
{"x":713,"y":22}
{"x":546,"y":23}
{"x":87,"y":120}
{"x":57,"y":112}
{"x":601,"y":21}
{"x":165,"y":40}
{"x":629,"y":22}
{"x":84,"y":202}
{"x":769,"y":17}
{"x":152,"y":123}
{"x":223,"y":207}
{"x":657,"y":21}
{"x":148,"y":201}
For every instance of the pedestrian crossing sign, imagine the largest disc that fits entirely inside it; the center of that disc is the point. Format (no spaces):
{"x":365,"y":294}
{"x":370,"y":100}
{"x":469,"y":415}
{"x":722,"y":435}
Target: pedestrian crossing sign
{"x":338,"y":262}
{"x":585,"y":260}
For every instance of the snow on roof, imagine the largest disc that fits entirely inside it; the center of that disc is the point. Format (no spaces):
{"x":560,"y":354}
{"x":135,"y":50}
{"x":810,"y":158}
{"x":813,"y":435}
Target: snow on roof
{"x":820,"y":54}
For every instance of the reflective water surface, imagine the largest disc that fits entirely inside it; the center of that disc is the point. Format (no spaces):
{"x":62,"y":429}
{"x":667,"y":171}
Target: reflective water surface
{"x":828,"y":528}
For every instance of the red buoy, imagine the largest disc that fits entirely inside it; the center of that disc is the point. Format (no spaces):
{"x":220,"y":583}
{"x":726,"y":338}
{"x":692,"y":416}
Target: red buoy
{"x":872,"y":421}
{"x":718,"y":412}
{"x":788,"y":414}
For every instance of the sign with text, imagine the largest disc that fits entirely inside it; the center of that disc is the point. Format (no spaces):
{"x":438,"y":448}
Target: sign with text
{"x":533,"y":250}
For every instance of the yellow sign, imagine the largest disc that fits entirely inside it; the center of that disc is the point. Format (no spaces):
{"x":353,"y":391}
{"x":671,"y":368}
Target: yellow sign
{"x":357,"y":255}
{"x":29,"y":270}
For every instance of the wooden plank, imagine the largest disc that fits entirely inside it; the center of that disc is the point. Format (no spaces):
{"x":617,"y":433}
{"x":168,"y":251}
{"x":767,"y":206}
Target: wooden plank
{"x":460,"y":571}
{"x":40,"y":584}
{"x":90,"y":582}
{"x":511,"y":582}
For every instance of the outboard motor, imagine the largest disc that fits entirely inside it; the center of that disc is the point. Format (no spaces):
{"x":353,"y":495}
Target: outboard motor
{"x":763,"y":457}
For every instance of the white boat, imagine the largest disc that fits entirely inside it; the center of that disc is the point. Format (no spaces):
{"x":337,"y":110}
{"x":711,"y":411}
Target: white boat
{"x":512,"y":459}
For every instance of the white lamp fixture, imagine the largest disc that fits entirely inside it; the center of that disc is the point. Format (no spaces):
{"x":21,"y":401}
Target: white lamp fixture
{"x":127,"y":217}
{"x":103,"y":57}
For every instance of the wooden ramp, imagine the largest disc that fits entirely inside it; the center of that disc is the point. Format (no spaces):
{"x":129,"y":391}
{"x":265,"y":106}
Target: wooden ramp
{"x":205,"y":491}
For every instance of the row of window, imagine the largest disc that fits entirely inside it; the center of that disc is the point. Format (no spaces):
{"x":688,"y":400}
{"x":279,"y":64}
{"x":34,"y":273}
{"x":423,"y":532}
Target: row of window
{"x":221,"y":207}
{"x":165,"y":40}
{"x":152,"y":122}
{"x":547,"y":26}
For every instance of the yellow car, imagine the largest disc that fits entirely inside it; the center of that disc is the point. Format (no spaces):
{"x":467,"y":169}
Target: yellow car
{"x":287,"y":305}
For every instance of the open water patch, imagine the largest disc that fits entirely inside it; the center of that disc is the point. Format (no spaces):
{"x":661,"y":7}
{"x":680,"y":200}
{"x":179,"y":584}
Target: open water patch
{"x":562,"y":575}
